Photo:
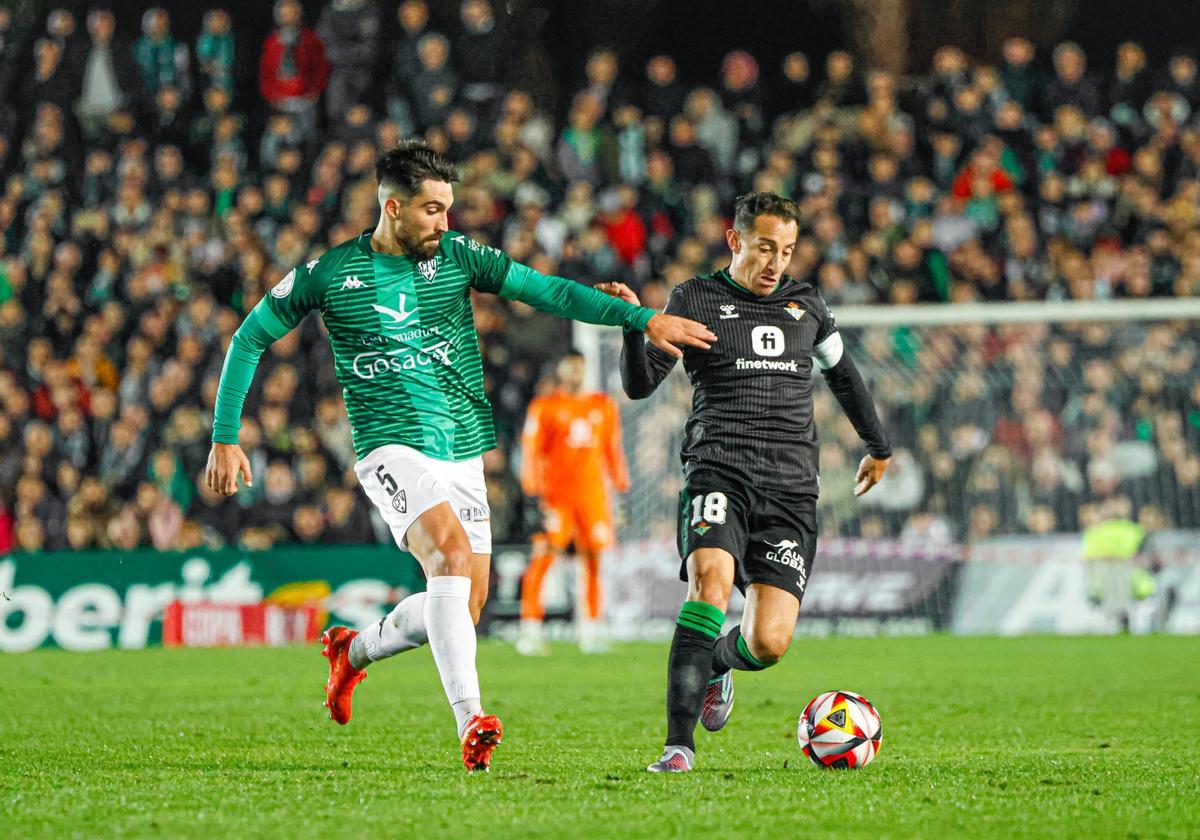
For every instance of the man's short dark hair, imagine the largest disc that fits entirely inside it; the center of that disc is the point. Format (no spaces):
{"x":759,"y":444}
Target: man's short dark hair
{"x":750,"y":206}
{"x":410,"y":163}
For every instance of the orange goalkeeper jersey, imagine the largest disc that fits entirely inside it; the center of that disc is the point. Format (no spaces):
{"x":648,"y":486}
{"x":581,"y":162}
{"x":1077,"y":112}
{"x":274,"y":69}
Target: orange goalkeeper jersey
{"x":571,"y":447}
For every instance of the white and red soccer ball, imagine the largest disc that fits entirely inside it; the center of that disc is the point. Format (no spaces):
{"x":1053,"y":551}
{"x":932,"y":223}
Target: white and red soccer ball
{"x":840,"y":729}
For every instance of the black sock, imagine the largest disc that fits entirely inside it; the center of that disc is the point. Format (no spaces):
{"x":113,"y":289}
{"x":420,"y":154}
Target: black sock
{"x":731,"y":652}
{"x":689,"y":667}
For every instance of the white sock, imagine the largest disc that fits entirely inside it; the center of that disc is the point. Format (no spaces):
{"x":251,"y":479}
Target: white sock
{"x":452,"y":640}
{"x":402,"y":629}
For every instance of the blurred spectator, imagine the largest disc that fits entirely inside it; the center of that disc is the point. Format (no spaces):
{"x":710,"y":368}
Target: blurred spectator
{"x":164,"y":62}
{"x":796,"y":90}
{"x":110,"y":79}
{"x":663,"y":94}
{"x":51,"y":80}
{"x":1071,"y":85}
{"x":216,"y":51}
{"x":293,"y":69}
{"x":404,"y":63}
{"x":435,"y":85}
{"x":11,"y":41}
{"x":482,"y":46}
{"x":350,"y":32}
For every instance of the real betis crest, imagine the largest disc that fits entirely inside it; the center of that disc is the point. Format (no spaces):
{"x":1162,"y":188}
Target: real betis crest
{"x":428,"y":269}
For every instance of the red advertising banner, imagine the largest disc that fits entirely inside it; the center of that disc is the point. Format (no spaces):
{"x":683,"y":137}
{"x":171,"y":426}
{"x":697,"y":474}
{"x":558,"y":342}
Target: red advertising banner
{"x":205,"y":624}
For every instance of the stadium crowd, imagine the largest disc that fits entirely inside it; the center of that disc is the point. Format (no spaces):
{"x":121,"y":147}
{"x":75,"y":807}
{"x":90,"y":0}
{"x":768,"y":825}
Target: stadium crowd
{"x":154,"y":190}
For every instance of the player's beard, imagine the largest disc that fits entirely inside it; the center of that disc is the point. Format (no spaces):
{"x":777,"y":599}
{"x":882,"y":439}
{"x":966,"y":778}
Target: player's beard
{"x":418,"y":246}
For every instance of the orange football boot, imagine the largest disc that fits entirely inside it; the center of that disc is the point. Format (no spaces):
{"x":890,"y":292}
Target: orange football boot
{"x":480,"y":739}
{"x":343,"y":676}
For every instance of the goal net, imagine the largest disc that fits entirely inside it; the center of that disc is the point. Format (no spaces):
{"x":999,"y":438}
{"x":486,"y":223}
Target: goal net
{"x":1023,"y":434}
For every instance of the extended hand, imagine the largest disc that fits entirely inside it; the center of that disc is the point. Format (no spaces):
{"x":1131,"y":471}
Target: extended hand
{"x":619,"y":290}
{"x":870,"y":472}
{"x":225,"y":461}
{"x":666,"y":332}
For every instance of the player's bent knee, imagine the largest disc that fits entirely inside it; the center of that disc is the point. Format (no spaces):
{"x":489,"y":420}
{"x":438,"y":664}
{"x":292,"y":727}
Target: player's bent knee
{"x":712,"y":589}
{"x":453,"y":558}
{"x":770,"y":644}
{"x":710,"y":577}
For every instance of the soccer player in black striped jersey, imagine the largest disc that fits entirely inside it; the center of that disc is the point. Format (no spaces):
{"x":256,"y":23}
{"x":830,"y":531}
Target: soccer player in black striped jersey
{"x":747,"y":515}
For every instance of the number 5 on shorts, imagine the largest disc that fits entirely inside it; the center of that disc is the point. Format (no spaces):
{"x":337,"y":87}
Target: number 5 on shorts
{"x":710,"y":508}
{"x":389,"y":483}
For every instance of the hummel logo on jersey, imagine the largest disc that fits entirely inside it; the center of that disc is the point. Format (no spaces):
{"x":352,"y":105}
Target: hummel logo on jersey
{"x":428,"y":269}
{"x":399,"y":316}
{"x":728,"y":310}
{"x":353,"y":283}
{"x":308,"y":266}
{"x":795,"y":311}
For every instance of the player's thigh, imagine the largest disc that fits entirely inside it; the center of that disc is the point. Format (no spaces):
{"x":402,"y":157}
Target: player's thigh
{"x":713,"y":514}
{"x":439,"y":542}
{"x":782,"y":542}
{"x":710,"y":576}
{"x":769,"y":620}
{"x":402,"y":484}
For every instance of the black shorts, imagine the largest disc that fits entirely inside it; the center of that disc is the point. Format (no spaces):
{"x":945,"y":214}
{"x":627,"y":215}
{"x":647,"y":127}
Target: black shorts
{"x":771,"y":535}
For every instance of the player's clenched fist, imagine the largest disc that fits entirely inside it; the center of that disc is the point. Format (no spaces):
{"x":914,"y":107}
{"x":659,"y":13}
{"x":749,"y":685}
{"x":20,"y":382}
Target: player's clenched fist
{"x":666,"y":332}
{"x":225,"y":461}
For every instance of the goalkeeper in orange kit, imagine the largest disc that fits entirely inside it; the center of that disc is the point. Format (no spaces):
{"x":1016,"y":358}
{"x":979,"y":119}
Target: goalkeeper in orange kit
{"x":571,"y":453}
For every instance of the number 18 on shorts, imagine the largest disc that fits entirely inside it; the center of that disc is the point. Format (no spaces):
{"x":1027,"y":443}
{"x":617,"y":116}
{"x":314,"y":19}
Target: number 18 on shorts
{"x":771,"y":535}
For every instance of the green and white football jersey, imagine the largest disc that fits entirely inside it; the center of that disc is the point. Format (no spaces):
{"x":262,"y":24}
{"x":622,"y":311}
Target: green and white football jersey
{"x":403,"y":338}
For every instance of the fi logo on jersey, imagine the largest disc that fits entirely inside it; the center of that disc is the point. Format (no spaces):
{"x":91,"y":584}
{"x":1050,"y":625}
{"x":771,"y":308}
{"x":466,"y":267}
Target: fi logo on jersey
{"x":767,"y":341}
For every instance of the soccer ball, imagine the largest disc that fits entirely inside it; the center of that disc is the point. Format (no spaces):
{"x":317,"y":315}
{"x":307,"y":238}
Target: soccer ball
{"x":840,"y":729}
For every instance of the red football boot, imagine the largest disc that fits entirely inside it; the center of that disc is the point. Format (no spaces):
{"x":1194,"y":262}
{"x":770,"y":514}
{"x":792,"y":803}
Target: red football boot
{"x":343,"y":676}
{"x":480,"y":740}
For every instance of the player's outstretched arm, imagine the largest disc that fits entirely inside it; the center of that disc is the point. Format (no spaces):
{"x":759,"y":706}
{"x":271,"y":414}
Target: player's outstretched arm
{"x":272,"y":318}
{"x":226,"y":458}
{"x":491,"y":270}
{"x":642,"y":368}
{"x":851,"y":392}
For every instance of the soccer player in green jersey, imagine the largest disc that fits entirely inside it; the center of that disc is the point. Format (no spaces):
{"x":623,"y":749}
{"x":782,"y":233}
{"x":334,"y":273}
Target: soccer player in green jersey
{"x":396,"y":304}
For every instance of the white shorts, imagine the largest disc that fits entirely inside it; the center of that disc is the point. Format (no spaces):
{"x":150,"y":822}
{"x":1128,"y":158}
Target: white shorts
{"x":403,"y":483}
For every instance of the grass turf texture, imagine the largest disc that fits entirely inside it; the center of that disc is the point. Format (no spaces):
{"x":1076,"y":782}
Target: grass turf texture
{"x":986,"y":737}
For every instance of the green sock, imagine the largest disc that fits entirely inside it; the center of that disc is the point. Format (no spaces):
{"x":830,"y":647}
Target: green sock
{"x":688,"y":668}
{"x":732,"y":652}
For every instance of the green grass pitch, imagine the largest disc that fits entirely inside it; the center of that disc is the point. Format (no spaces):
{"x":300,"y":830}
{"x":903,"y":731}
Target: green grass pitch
{"x":1077,"y":737}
